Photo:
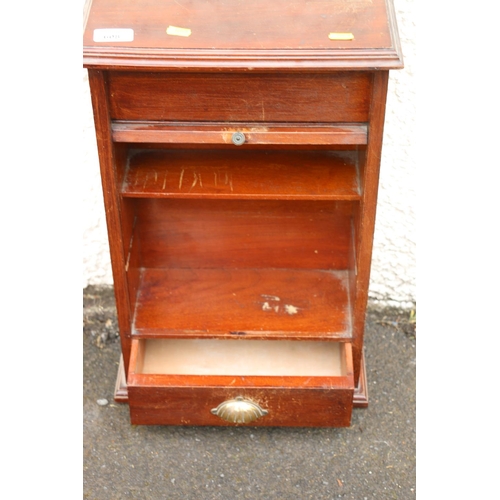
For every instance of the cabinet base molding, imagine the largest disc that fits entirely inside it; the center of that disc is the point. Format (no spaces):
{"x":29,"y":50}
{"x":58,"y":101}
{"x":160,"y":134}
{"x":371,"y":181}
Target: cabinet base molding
{"x":121,"y":392}
{"x":360,"y":399}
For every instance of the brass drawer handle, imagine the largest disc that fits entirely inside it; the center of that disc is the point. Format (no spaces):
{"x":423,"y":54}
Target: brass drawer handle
{"x":239,"y":411}
{"x":238,"y":138}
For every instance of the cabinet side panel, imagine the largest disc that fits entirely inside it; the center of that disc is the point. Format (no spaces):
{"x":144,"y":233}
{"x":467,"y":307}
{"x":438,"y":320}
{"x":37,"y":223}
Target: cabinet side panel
{"x":110,"y":178}
{"x":369,"y":173}
{"x":128,"y":223}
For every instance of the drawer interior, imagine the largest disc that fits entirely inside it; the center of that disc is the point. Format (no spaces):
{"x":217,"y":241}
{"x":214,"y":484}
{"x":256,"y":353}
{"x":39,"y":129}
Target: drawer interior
{"x":241,"y":357}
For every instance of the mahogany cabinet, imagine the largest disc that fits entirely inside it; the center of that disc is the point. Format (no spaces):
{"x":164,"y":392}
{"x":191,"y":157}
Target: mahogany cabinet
{"x":239,"y":146}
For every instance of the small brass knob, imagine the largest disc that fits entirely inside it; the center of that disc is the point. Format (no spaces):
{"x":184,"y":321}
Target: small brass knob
{"x":238,"y":138}
{"x":239,"y":411}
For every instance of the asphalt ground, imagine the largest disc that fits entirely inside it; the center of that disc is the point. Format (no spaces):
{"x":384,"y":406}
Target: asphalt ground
{"x":375,"y":458}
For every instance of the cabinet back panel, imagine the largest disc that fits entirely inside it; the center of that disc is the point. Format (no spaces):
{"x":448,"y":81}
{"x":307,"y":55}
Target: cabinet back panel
{"x":244,"y":234}
{"x":254,"y":97}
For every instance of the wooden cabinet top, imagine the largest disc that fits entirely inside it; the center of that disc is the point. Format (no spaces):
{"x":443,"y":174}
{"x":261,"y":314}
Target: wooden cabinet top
{"x":241,"y":34}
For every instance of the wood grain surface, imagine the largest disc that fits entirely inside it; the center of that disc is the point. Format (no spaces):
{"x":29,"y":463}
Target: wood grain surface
{"x":257,"y":303}
{"x":236,"y":174}
{"x":292,"y":34}
{"x":182,"y":233}
{"x":240,"y":97}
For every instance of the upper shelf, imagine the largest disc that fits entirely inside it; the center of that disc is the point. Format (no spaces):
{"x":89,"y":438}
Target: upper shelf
{"x":182,"y":34}
{"x":227,"y":174}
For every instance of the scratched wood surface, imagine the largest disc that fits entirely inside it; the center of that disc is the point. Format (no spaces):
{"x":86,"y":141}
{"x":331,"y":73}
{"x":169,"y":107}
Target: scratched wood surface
{"x":248,"y":97}
{"x":258,"y":303}
{"x":242,"y":175}
{"x":330,"y":406}
{"x":239,"y":34}
{"x":263,"y":135}
{"x":259,"y":24}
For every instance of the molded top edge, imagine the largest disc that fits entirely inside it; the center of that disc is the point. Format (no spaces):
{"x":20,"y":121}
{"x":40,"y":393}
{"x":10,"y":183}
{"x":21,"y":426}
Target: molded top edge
{"x":235,"y":34}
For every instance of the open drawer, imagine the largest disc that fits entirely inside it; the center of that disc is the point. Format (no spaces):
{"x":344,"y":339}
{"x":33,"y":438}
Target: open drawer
{"x":240,"y":382}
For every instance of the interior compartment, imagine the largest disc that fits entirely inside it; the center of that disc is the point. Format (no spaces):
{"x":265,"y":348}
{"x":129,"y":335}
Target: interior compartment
{"x":243,"y":234}
{"x":241,"y":243}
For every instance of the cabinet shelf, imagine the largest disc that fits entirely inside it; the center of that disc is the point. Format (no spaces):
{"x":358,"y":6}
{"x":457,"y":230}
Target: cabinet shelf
{"x":243,"y":303}
{"x":278,"y":175}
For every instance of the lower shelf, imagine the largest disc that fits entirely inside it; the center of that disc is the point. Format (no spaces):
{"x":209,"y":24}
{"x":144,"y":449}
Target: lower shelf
{"x":264,"y":383}
{"x":256,"y":303}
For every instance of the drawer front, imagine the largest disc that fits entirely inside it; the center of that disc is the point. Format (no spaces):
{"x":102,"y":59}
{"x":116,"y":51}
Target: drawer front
{"x":320,"y":400}
{"x":313,"y":407}
{"x":240,"y":97}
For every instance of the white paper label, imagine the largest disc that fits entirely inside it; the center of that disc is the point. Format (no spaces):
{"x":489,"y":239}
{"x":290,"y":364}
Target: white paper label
{"x":114,"y":35}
